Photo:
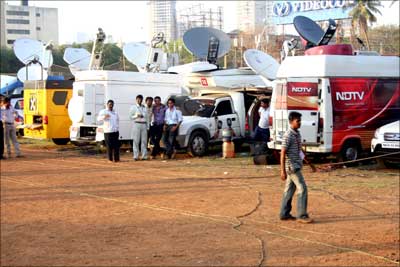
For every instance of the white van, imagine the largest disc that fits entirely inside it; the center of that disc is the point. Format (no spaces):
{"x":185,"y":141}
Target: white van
{"x":93,"y":88}
{"x":342,"y":99}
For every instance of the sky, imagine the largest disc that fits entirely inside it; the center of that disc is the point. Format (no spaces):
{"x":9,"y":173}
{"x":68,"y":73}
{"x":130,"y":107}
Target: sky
{"x":127,"y":21}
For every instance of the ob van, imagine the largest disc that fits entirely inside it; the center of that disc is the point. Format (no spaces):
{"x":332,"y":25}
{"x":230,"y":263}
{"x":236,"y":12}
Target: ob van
{"x":342,"y":97}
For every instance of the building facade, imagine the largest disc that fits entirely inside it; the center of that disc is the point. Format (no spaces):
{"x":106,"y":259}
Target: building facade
{"x":162,"y":15}
{"x":28,"y":22}
{"x":251,"y":15}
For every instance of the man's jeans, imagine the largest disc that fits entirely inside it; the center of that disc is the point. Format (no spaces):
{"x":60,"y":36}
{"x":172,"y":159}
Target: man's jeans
{"x":169,"y":139}
{"x":294,"y":181}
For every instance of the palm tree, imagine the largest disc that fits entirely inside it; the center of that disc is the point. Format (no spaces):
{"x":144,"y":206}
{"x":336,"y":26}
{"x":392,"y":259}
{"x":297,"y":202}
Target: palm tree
{"x":362,"y":13}
{"x":392,"y":3}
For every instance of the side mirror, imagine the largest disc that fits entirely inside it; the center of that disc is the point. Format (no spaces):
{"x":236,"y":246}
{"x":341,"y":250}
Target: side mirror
{"x":219,"y":125}
{"x":215,"y":114}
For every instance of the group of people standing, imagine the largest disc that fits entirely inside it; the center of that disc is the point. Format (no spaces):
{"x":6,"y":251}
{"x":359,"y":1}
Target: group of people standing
{"x":7,"y":128}
{"x":151,"y":122}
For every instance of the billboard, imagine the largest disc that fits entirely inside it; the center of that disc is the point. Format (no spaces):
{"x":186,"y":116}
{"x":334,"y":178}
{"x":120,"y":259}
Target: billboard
{"x":285,"y":11}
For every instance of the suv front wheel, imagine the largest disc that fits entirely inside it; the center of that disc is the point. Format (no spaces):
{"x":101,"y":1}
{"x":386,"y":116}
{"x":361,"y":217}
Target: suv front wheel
{"x":198,"y":144}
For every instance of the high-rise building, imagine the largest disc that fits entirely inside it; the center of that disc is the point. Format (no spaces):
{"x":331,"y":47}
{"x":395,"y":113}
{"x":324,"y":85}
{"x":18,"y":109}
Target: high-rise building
{"x":163,"y":19}
{"x":251,"y":15}
{"x":28,"y":22}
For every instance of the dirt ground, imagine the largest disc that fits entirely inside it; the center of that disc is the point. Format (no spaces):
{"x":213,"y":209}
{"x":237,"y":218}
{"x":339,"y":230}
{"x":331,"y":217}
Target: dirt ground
{"x":70,"y":207}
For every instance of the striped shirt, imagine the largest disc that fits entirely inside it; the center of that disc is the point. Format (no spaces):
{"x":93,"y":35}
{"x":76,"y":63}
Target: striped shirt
{"x":292,"y":143}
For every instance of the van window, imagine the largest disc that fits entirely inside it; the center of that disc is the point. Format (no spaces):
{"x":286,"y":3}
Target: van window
{"x":60,"y":97}
{"x":19,"y":104}
{"x":224,"y":108}
{"x":383,"y":92}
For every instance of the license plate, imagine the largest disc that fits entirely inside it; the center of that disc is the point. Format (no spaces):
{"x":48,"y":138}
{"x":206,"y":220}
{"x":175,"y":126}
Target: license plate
{"x":391,"y":145}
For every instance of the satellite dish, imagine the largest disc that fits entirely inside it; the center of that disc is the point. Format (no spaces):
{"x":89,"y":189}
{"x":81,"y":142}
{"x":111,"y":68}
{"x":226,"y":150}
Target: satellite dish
{"x":136,"y":53}
{"x":204,"y":42}
{"x":197,"y":66}
{"x":26,"y":50}
{"x":261,"y":63}
{"x":312,"y":32}
{"x":77,"y":58}
{"x":33,"y":72}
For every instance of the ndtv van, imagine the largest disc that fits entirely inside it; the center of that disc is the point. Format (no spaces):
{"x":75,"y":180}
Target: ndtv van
{"x":343,"y":99}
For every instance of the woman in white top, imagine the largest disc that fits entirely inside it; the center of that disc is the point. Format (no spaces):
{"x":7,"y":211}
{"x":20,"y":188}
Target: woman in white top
{"x":110,"y":120}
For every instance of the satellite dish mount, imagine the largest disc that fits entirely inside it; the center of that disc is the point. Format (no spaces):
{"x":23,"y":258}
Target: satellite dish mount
{"x":312,"y":33}
{"x":97,"y":51}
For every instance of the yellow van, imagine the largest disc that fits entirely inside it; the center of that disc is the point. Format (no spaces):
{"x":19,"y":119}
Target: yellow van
{"x":46,"y":110}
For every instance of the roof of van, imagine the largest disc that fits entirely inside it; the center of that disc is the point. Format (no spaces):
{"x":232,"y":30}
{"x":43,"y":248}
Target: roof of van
{"x":339,"y":66}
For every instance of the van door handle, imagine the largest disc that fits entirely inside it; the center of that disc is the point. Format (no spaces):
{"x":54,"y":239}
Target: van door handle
{"x":314,"y":113}
{"x":233,"y":119}
{"x":313,"y":124}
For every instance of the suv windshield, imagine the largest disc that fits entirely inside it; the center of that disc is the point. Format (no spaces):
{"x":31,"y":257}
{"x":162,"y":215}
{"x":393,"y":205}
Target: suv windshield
{"x":198,"y":107}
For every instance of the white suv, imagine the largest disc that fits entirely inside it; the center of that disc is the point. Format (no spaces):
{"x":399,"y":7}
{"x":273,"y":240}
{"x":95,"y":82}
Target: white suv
{"x":387,"y":140}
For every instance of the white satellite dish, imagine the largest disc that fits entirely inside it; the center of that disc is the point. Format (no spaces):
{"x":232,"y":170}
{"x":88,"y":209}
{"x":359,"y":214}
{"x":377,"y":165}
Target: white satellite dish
{"x":207,"y":43}
{"x":26,"y":50}
{"x":136,"y":53}
{"x":33,"y":72}
{"x":197,"y":66}
{"x":77,"y":59}
{"x":261,"y":63}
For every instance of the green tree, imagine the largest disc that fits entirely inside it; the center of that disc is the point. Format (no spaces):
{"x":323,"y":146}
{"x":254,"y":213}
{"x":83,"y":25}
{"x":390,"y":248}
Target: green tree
{"x":385,"y":39}
{"x":9,"y":63}
{"x":362,"y":13}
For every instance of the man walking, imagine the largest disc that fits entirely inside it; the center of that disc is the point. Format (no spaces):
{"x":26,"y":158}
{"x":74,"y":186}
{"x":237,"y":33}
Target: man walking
{"x":156,"y":128}
{"x":110,"y":119}
{"x":8,"y":116}
{"x":173,"y":118}
{"x":138,"y":114}
{"x":292,"y":158}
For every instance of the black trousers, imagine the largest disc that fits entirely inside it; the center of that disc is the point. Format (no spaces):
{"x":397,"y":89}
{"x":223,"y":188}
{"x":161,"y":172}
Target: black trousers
{"x":156,"y":132}
{"x":1,"y":139}
{"x":113,"y":145}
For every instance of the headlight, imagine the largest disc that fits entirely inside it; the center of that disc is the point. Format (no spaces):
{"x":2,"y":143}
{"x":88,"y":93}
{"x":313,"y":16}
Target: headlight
{"x":376,"y":134}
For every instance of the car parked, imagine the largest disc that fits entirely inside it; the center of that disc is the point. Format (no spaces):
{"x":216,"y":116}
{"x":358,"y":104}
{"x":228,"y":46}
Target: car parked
{"x":17,"y":102}
{"x":386,"y":141}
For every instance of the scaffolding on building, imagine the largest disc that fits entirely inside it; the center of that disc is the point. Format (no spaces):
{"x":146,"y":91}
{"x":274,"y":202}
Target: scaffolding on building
{"x":199,"y":16}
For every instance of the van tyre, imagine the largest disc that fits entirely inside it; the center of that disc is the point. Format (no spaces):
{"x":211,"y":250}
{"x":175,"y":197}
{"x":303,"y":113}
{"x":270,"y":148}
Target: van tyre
{"x":198,"y":144}
{"x":60,"y":141}
{"x":350,"y":151}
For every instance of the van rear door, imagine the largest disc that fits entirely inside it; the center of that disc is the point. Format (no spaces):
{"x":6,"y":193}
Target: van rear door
{"x":302,"y":96}
{"x":93,"y":95}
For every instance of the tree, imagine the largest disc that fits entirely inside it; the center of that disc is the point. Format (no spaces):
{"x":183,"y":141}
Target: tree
{"x":362,"y":13}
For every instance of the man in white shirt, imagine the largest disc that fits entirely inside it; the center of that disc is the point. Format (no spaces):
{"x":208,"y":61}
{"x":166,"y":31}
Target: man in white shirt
{"x":173,"y":118}
{"x":8,"y":116}
{"x":110,"y":120}
{"x":261,"y":133}
{"x":138,"y":114}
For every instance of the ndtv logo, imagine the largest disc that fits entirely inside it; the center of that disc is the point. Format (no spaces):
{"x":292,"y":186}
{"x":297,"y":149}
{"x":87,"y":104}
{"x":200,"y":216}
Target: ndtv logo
{"x":346,"y":96}
{"x":203,"y":81}
{"x":301,"y":90}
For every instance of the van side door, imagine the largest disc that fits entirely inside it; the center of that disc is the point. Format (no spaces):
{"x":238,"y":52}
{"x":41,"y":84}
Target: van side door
{"x":224,"y":112}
